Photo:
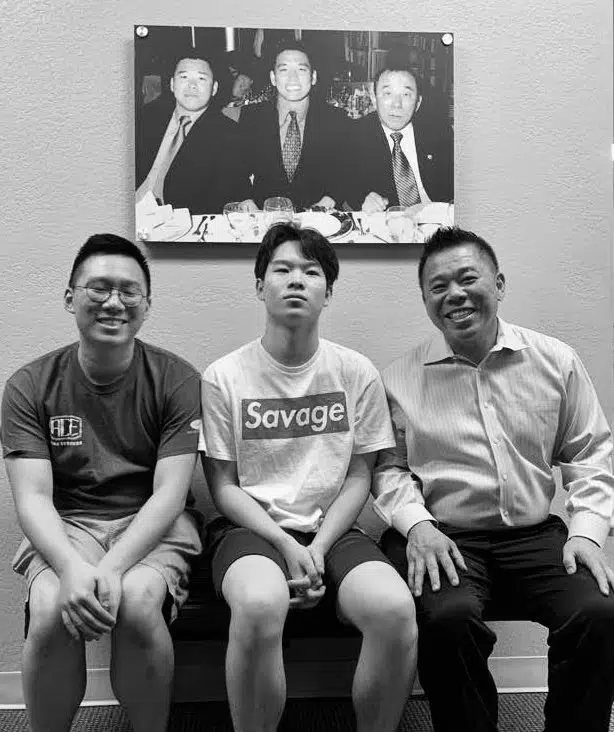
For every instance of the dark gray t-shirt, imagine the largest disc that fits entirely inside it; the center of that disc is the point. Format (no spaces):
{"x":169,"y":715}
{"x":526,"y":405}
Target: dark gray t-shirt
{"x":103,"y":441}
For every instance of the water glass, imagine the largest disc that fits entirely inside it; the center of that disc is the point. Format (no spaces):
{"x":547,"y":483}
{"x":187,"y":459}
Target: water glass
{"x":241,"y":221}
{"x":278,"y":209}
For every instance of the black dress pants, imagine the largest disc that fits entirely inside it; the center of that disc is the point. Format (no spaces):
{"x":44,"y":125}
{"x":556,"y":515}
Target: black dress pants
{"x":522,"y":568}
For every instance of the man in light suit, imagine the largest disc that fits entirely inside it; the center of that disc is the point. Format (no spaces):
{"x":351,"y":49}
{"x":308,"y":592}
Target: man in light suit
{"x":398,"y":156}
{"x":294,"y":144}
{"x":187,"y":152}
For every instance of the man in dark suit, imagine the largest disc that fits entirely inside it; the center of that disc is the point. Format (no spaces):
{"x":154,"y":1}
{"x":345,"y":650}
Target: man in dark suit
{"x":294,"y":144}
{"x":399,"y":156}
{"x":187,"y":152}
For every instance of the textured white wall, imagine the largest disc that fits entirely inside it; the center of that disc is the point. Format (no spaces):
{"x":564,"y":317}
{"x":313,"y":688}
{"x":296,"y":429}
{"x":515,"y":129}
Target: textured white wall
{"x":534,"y":176}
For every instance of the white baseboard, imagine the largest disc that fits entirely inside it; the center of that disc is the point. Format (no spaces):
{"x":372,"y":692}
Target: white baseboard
{"x":201,"y":678}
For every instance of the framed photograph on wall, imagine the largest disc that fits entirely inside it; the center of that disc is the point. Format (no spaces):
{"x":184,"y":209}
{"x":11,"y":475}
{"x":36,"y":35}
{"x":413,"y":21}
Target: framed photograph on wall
{"x":349,"y":132}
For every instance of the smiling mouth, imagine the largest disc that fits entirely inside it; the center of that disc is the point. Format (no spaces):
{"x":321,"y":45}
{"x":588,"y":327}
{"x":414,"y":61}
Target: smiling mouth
{"x":295,"y":297}
{"x":457,"y":316}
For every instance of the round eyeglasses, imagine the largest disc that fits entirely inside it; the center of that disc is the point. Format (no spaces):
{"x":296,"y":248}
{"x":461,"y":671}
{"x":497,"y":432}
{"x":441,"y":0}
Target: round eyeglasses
{"x":128,"y":298}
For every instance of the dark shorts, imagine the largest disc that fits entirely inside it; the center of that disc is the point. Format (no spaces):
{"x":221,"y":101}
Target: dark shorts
{"x":228,"y":542}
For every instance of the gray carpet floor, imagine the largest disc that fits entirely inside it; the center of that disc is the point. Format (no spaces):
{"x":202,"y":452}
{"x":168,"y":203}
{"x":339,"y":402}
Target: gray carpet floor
{"x":517,"y":713}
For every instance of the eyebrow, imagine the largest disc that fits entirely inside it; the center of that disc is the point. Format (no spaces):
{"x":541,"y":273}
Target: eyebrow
{"x":459,"y":273}
{"x":289,"y":262}
{"x":387,"y":86}
{"x":112,"y":283}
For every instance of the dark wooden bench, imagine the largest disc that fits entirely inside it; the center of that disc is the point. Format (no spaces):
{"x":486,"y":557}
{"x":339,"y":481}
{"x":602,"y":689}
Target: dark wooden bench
{"x":320,"y":652}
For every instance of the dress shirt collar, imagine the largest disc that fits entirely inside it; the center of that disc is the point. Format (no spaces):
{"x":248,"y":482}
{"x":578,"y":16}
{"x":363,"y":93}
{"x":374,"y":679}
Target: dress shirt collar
{"x":284,"y":108}
{"x":438,"y":349}
{"x":178,"y":113}
{"x":407,"y":132}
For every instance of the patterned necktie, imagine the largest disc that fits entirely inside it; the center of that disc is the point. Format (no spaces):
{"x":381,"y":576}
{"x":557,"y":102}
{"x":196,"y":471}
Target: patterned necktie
{"x":180,"y":134}
{"x":166,"y":154}
{"x":404,"y":178}
{"x":291,"y":151}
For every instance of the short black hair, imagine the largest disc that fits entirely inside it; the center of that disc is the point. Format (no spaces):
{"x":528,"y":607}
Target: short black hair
{"x":314,"y":246}
{"x":400,"y":66}
{"x":110,"y":244}
{"x":451,"y":236}
{"x":289,"y":44}
{"x":195,"y":55}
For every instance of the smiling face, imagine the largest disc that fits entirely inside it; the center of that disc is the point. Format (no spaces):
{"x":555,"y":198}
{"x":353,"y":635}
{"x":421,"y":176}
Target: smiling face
{"x":461,"y":290}
{"x":110,"y":322}
{"x":193,"y":84}
{"x":293,"y":76}
{"x":397,"y":99}
{"x":294,"y":288}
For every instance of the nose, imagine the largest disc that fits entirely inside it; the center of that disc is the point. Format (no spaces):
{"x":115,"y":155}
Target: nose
{"x":397,"y":101}
{"x":114,"y":302}
{"x":296,"y":279}
{"x":455,"y":292}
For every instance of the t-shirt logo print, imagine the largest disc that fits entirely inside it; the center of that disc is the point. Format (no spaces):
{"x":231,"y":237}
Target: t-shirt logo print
{"x":276,"y":419}
{"x":66,"y":429}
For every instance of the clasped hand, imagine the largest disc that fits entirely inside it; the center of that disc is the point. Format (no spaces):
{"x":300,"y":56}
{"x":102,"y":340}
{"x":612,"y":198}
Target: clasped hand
{"x":89,"y":599}
{"x":306,"y":567}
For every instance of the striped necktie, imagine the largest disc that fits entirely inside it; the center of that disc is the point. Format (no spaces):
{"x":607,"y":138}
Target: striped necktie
{"x":291,"y":151}
{"x":404,"y":179}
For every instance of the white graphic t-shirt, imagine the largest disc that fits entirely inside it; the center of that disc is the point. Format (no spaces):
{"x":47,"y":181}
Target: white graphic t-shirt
{"x":292,"y":430}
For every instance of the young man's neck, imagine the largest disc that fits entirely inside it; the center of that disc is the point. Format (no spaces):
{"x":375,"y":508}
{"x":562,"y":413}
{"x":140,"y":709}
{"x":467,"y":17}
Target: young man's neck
{"x":290,"y":346}
{"x":104,"y":364}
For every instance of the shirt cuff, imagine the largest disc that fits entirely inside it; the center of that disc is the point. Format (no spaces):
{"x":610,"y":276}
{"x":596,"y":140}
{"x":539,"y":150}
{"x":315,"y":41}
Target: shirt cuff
{"x":590,"y":526}
{"x":409,"y":516}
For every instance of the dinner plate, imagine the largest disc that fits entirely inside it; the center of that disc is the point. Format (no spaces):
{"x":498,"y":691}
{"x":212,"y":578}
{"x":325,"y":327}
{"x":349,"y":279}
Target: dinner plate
{"x":170,"y":231}
{"x":173,"y":228}
{"x":347,"y":225}
{"x":327,"y":224}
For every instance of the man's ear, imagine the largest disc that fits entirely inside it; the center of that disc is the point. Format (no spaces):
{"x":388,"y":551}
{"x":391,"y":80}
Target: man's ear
{"x":173,"y":84}
{"x":314,"y":77}
{"x":418,"y":105}
{"x":68,"y":300}
{"x":214,"y":90}
{"x":147,"y":307}
{"x":260,"y":289}
{"x":272,"y":78}
{"x":500,"y":285}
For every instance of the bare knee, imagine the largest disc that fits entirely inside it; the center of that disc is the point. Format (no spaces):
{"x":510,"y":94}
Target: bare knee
{"x":391,"y":618}
{"x":259,"y":613}
{"x":140,"y":608}
{"x":45,"y":629}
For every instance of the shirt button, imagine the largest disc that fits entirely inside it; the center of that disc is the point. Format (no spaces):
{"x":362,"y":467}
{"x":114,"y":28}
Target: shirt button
{"x":486,"y":405}
{"x":504,"y":477}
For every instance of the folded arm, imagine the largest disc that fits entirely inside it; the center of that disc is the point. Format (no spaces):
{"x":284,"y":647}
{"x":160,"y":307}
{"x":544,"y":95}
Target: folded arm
{"x":344,"y":510}
{"x":171,"y":482}
{"x":237,"y":505}
{"x":31,"y":481}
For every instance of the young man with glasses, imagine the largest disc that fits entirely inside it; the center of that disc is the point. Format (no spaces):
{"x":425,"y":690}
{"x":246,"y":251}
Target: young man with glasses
{"x":99,"y":439}
{"x":292,"y":424}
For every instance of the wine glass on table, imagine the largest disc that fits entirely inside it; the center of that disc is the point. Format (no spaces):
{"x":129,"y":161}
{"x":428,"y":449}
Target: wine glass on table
{"x":241,"y":221}
{"x":278,"y":209}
